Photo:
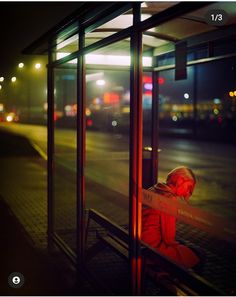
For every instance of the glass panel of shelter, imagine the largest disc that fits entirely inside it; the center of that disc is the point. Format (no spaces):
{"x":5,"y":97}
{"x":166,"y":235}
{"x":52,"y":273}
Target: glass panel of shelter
{"x":191,"y":113}
{"x":64,"y":179}
{"x":107,"y":160}
{"x":197,"y":140}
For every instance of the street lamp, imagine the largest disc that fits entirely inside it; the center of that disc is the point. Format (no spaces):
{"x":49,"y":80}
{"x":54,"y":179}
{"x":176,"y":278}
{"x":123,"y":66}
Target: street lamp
{"x":0,"y":87}
{"x":23,"y":88}
{"x":21,"y":65}
{"x":37,"y":66}
{"x":1,"y":79}
{"x":22,"y":91}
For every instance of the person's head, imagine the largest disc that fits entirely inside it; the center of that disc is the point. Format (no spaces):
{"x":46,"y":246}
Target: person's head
{"x":182,"y":182}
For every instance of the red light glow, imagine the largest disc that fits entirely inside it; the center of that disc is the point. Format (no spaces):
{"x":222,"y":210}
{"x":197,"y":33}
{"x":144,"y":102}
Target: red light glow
{"x":89,"y":122}
{"x":55,"y":116}
{"x":161,"y":80}
{"x":147,"y":79}
{"x":220,"y":120}
{"x":111,"y":98}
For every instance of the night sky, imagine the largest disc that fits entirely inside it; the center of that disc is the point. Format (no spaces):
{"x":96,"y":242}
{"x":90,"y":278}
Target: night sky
{"x":23,"y":22}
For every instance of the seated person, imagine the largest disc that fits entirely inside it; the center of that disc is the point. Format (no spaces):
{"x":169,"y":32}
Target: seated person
{"x":159,"y":228}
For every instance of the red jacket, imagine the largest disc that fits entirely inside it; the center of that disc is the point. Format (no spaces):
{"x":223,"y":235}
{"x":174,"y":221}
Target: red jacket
{"x":159,"y":230}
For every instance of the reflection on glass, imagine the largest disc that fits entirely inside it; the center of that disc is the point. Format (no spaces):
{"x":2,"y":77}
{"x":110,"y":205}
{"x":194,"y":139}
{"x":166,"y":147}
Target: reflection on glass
{"x":107,"y":154}
{"x":65,"y":112}
{"x":107,"y":116}
{"x":214,"y":120}
{"x":176,"y":102}
{"x":216,"y":102}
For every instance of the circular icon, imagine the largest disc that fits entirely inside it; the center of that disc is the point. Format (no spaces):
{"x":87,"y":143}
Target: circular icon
{"x":16,"y":280}
{"x":216,"y":17}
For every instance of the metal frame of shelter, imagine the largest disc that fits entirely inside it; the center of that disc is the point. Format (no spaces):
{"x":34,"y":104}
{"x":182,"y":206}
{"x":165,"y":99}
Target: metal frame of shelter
{"x":88,"y":17}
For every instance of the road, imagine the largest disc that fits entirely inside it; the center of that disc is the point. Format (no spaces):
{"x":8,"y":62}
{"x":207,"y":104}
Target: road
{"x":107,"y":163}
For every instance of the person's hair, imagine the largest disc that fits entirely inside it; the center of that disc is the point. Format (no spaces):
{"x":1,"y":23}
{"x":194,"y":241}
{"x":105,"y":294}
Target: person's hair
{"x":179,"y":175}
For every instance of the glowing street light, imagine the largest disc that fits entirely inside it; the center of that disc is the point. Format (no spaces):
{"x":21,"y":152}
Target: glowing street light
{"x":37,"y":66}
{"x":9,"y":118}
{"x":21,"y":65}
{"x":175,"y":118}
{"x":186,"y":95}
{"x":13,"y":79}
{"x":231,"y":94}
{"x":217,"y":100}
{"x":0,"y":87}
{"x":1,"y":79}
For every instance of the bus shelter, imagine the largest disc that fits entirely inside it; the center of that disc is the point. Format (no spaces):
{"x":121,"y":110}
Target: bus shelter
{"x":121,"y":75}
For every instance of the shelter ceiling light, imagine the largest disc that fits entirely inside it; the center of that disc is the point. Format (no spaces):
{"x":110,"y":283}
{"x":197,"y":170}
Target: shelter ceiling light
{"x":114,"y":60}
{"x":107,"y":60}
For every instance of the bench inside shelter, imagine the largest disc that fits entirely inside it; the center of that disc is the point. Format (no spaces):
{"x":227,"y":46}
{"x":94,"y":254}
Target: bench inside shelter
{"x":174,"y":279}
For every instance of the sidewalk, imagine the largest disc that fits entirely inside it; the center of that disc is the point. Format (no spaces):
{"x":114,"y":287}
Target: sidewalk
{"x":17,"y":255}
{"x":23,"y":226}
